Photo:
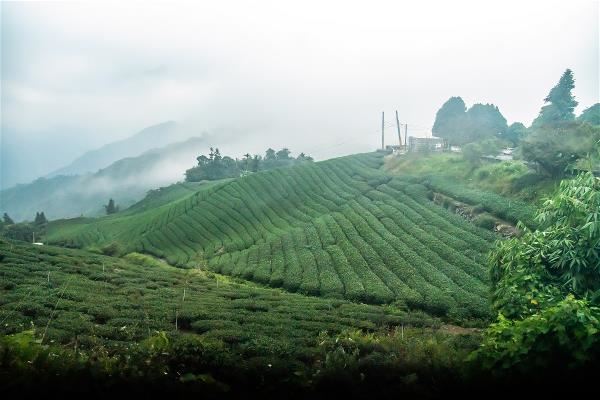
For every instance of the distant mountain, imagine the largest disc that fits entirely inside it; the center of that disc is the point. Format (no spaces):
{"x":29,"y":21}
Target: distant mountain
{"x":27,"y":156}
{"x":151,"y":137}
{"x":126,"y":181}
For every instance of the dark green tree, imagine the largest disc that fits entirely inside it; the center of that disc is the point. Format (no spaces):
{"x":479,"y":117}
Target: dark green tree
{"x":203,"y":160}
{"x":450,"y":120}
{"x":216,"y":155}
{"x":8,"y":220}
{"x":484,"y":121}
{"x":255,"y":164}
{"x":304,"y":157}
{"x":591,"y":115}
{"x":561,"y":102}
{"x":459,"y":126}
{"x":228,"y":168}
{"x":515,"y":133}
{"x":214,"y":167}
{"x":472,"y":152}
{"x":22,"y":231}
{"x":245,"y":163}
{"x":270,"y":155}
{"x":283,"y":154}
{"x":270,"y":160}
{"x":111,"y":208}
{"x":555,"y":147}
{"x":40,"y":218}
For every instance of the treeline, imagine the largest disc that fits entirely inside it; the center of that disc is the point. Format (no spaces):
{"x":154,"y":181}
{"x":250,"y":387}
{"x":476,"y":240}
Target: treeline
{"x":216,"y":166}
{"x":461,"y":126}
{"x":557,"y":141}
{"x":24,"y":230}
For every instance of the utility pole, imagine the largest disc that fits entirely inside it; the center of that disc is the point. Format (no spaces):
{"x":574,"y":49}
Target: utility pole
{"x":405,"y":138}
{"x":382,"y":129}
{"x":398,"y":128}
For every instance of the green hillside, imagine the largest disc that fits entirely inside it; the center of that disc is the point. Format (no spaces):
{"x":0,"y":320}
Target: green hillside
{"x":338,"y":228}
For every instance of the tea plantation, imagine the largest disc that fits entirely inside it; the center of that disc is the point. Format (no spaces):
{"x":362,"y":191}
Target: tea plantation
{"x":71,"y":295}
{"x":340,"y":228}
{"x":74,"y":321}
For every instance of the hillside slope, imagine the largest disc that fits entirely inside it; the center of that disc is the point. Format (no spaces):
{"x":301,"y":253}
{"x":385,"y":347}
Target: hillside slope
{"x":337,"y":228}
{"x":126,"y":180}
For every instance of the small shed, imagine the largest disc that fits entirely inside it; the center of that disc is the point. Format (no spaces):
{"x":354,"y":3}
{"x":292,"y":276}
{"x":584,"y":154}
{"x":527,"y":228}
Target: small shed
{"x":421,"y":144}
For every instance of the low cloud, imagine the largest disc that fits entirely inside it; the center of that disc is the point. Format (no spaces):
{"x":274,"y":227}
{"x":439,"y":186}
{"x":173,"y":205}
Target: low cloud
{"x":311,"y":76}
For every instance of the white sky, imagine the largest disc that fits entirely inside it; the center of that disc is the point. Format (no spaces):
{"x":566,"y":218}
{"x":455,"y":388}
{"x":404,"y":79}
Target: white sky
{"x":310,"y":75}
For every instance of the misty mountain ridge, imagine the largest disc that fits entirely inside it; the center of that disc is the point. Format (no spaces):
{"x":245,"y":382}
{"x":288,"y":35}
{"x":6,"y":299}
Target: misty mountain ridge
{"x":154,"y":136}
{"x":126,"y":180}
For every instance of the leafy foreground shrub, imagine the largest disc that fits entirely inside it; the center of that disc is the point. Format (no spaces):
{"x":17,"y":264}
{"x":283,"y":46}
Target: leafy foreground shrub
{"x":27,"y":365}
{"x":362,"y":365}
{"x":353,"y":363}
{"x":113,"y":249}
{"x":559,"y":258}
{"x":565,"y":335}
{"x":485,"y":221}
{"x":546,"y":289}
{"x":144,"y":260}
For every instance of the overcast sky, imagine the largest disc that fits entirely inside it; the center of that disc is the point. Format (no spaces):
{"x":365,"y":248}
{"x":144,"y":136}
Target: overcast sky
{"x":311,"y":75}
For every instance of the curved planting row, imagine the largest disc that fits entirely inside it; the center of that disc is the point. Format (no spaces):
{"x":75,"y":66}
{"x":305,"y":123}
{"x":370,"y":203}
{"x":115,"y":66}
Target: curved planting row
{"x":338,"y":228}
{"x":510,"y":210}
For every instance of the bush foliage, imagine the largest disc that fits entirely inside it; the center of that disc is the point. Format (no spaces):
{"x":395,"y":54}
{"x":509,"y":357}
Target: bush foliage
{"x":546,"y":285}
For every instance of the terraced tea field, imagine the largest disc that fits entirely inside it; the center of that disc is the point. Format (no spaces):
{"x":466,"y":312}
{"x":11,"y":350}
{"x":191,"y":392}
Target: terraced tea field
{"x":71,"y":296}
{"x":340,"y":228}
{"x":77,"y":320}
